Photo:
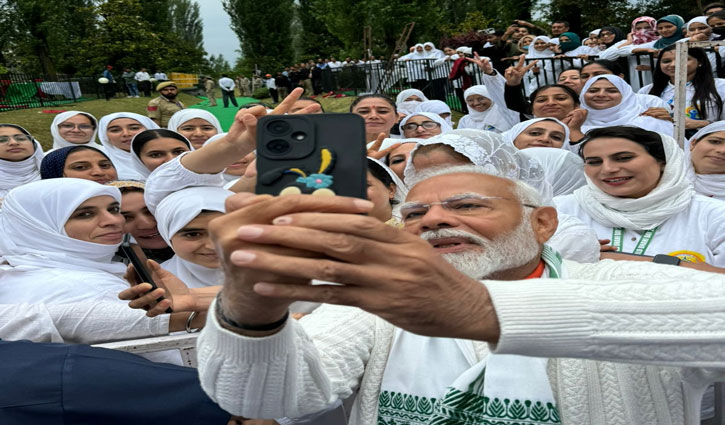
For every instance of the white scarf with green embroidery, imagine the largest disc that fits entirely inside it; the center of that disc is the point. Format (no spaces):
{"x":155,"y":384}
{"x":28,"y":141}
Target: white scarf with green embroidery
{"x":436,"y":381}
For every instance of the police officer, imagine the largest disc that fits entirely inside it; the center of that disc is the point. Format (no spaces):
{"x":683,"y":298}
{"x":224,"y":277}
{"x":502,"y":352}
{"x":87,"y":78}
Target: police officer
{"x":161,"y":109}
{"x":209,"y":85}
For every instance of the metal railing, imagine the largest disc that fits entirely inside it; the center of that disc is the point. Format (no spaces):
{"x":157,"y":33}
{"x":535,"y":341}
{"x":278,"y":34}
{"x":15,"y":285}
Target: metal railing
{"x":23,"y":91}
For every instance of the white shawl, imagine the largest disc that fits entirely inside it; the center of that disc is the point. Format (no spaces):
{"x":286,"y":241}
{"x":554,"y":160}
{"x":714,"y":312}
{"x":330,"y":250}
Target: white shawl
{"x":437,"y":107}
{"x":705,"y":184}
{"x":60,"y":142}
{"x":564,"y":170}
{"x":120,"y":158}
{"x":511,"y":135}
{"x":176,"y":211}
{"x":673,"y":194}
{"x":18,"y":173}
{"x":33,"y":227}
{"x":409,"y":106}
{"x":496,"y":118}
{"x":627,"y":112}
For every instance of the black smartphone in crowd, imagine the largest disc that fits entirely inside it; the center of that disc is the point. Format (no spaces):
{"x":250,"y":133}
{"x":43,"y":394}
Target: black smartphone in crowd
{"x":321,"y":154}
{"x":136,"y":256}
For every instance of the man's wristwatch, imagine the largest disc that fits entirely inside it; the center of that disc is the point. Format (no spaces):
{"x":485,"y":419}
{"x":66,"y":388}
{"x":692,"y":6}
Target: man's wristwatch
{"x":666,"y":259}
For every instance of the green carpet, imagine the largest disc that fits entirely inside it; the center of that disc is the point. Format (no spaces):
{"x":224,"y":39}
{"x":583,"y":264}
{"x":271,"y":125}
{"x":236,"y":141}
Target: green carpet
{"x":224,"y":115}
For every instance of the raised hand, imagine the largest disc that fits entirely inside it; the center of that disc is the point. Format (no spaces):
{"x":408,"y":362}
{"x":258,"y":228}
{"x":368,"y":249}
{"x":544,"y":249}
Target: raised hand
{"x":375,"y":152}
{"x":515,"y":74}
{"x":483,"y":63}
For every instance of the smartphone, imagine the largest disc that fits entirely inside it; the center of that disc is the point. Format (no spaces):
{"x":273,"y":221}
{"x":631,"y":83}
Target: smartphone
{"x":136,"y":256}
{"x":321,"y":154}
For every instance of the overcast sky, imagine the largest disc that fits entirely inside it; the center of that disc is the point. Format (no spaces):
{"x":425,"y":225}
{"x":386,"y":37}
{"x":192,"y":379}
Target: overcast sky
{"x":218,"y":34}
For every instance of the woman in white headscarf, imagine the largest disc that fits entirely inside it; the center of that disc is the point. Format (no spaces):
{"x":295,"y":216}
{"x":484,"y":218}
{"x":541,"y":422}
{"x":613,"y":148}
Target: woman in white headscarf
{"x":610,"y":101}
{"x":152,"y":148}
{"x":20,"y":158}
{"x":408,"y":101}
{"x":545,"y":71}
{"x":197,"y":125}
{"x":59,"y":240}
{"x":572,"y":239}
{"x":182,"y":219}
{"x":437,"y":107}
{"x":705,"y":160}
{"x":638,"y":196}
{"x":484,"y":113}
{"x":115,"y":132}
{"x":538,"y":132}
{"x":564,"y":170}
{"x":415,"y":65}
{"x":422,"y":125}
{"x":74,"y":128}
{"x":431,"y":52}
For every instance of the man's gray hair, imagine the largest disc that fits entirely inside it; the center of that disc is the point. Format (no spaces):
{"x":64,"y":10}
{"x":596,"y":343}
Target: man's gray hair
{"x":524,"y":192}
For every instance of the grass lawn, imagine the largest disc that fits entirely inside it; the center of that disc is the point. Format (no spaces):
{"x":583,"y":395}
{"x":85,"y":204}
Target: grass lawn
{"x":37,"y":121}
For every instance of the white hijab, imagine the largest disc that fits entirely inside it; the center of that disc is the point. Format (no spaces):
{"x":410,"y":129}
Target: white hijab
{"x":18,"y":173}
{"x":496,"y":118}
{"x":625,"y":113}
{"x":121,"y":159}
{"x":564,"y":170}
{"x":33,"y":227}
{"x":698,"y":20}
{"x":185,"y":115}
{"x":437,"y":107}
{"x":409,"y":106}
{"x":434,"y":53}
{"x":176,"y":211}
{"x":673,"y":194}
{"x":445,"y":127}
{"x":705,"y":184}
{"x":60,"y":142}
{"x":533,"y":53}
{"x":511,"y":135}
{"x":138,"y":165}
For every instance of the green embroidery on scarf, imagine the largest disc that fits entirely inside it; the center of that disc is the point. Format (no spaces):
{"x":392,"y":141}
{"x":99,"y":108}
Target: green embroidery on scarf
{"x":404,"y":409}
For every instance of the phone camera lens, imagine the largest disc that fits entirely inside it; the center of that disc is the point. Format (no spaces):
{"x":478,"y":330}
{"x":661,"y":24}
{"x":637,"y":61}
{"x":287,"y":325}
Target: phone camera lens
{"x":278,"y":146}
{"x":299,"y":136}
{"x":278,"y":127}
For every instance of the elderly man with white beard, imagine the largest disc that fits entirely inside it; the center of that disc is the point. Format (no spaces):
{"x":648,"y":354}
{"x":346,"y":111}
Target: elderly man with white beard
{"x":465,"y":316}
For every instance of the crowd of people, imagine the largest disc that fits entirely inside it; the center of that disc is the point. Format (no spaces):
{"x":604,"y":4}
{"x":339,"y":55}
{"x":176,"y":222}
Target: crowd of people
{"x":550,"y":258}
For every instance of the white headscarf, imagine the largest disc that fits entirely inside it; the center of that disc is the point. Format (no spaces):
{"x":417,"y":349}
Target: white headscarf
{"x":705,"y":184}
{"x":488,"y":149}
{"x":401,"y":190}
{"x":60,"y":142}
{"x":511,"y":135}
{"x":673,"y":194}
{"x":176,"y":211}
{"x":434,"y":53}
{"x":138,"y":165}
{"x":625,"y":113}
{"x":699,"y":20}
{"x":33,"y":223}
{"x":409,"y":106}
{"x":564,"y":170}
{"x":445,"y":127}
{"x":533,"y":53}
{"x":496,"y":118}
{"x":185,"y":115}
{"x":18,"y":173}
{"x":437,"y":107}
{"x":120,"y":158}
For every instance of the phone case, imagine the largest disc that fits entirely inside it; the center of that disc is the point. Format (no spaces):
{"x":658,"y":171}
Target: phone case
{"x":321,"y":154}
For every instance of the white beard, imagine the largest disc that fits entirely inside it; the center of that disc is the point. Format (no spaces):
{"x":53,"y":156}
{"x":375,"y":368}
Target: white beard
{"x":509,"y":251}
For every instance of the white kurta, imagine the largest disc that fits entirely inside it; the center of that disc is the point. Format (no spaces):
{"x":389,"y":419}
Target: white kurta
{"x":696,"y":234}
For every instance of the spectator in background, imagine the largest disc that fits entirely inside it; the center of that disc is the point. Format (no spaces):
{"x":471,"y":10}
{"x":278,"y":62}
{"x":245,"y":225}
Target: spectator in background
{"x":245,"y":88}
{"x":559,"y":27}
{"x":109,"y":88}
{"x":160,"y":77}
{"x":144,"y":82}
{"x":282,"y":84}
{"x":712,"y":8}
{"x":227,"y":86}
{"x":271,"y":87}
{"x":161,"y":109}
{"x":130,"y":82}
{"x":257,"y":83}
{"x":209,"y":89}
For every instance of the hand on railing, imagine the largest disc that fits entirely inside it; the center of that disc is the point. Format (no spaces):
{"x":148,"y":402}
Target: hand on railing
{"x":514,"y":74}
{"x":645,"y":50}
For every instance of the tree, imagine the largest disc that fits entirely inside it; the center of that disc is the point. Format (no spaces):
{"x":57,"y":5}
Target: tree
{"x":312,"y":39}
{"x":263,"y":31}
{"x":186,"y":23}
{"x":218,"y":65}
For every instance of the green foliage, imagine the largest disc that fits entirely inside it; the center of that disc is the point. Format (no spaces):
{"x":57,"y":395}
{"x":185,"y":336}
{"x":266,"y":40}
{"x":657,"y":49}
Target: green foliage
{"x":472,"y":22}
{"x":218,"y":66}
{"x":264,"y":32}
{"x":261,"y":93}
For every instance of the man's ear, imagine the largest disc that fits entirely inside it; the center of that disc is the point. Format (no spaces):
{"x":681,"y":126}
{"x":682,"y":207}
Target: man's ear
{"x":544,"y":221}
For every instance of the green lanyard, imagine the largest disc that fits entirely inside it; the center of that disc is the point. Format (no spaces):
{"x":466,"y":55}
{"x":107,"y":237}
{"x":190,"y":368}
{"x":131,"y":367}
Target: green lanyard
{"x":644,"y":241}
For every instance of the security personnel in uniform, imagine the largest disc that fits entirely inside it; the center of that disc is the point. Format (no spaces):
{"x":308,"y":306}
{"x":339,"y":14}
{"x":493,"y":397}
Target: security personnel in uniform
{"x":161,"y":109}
